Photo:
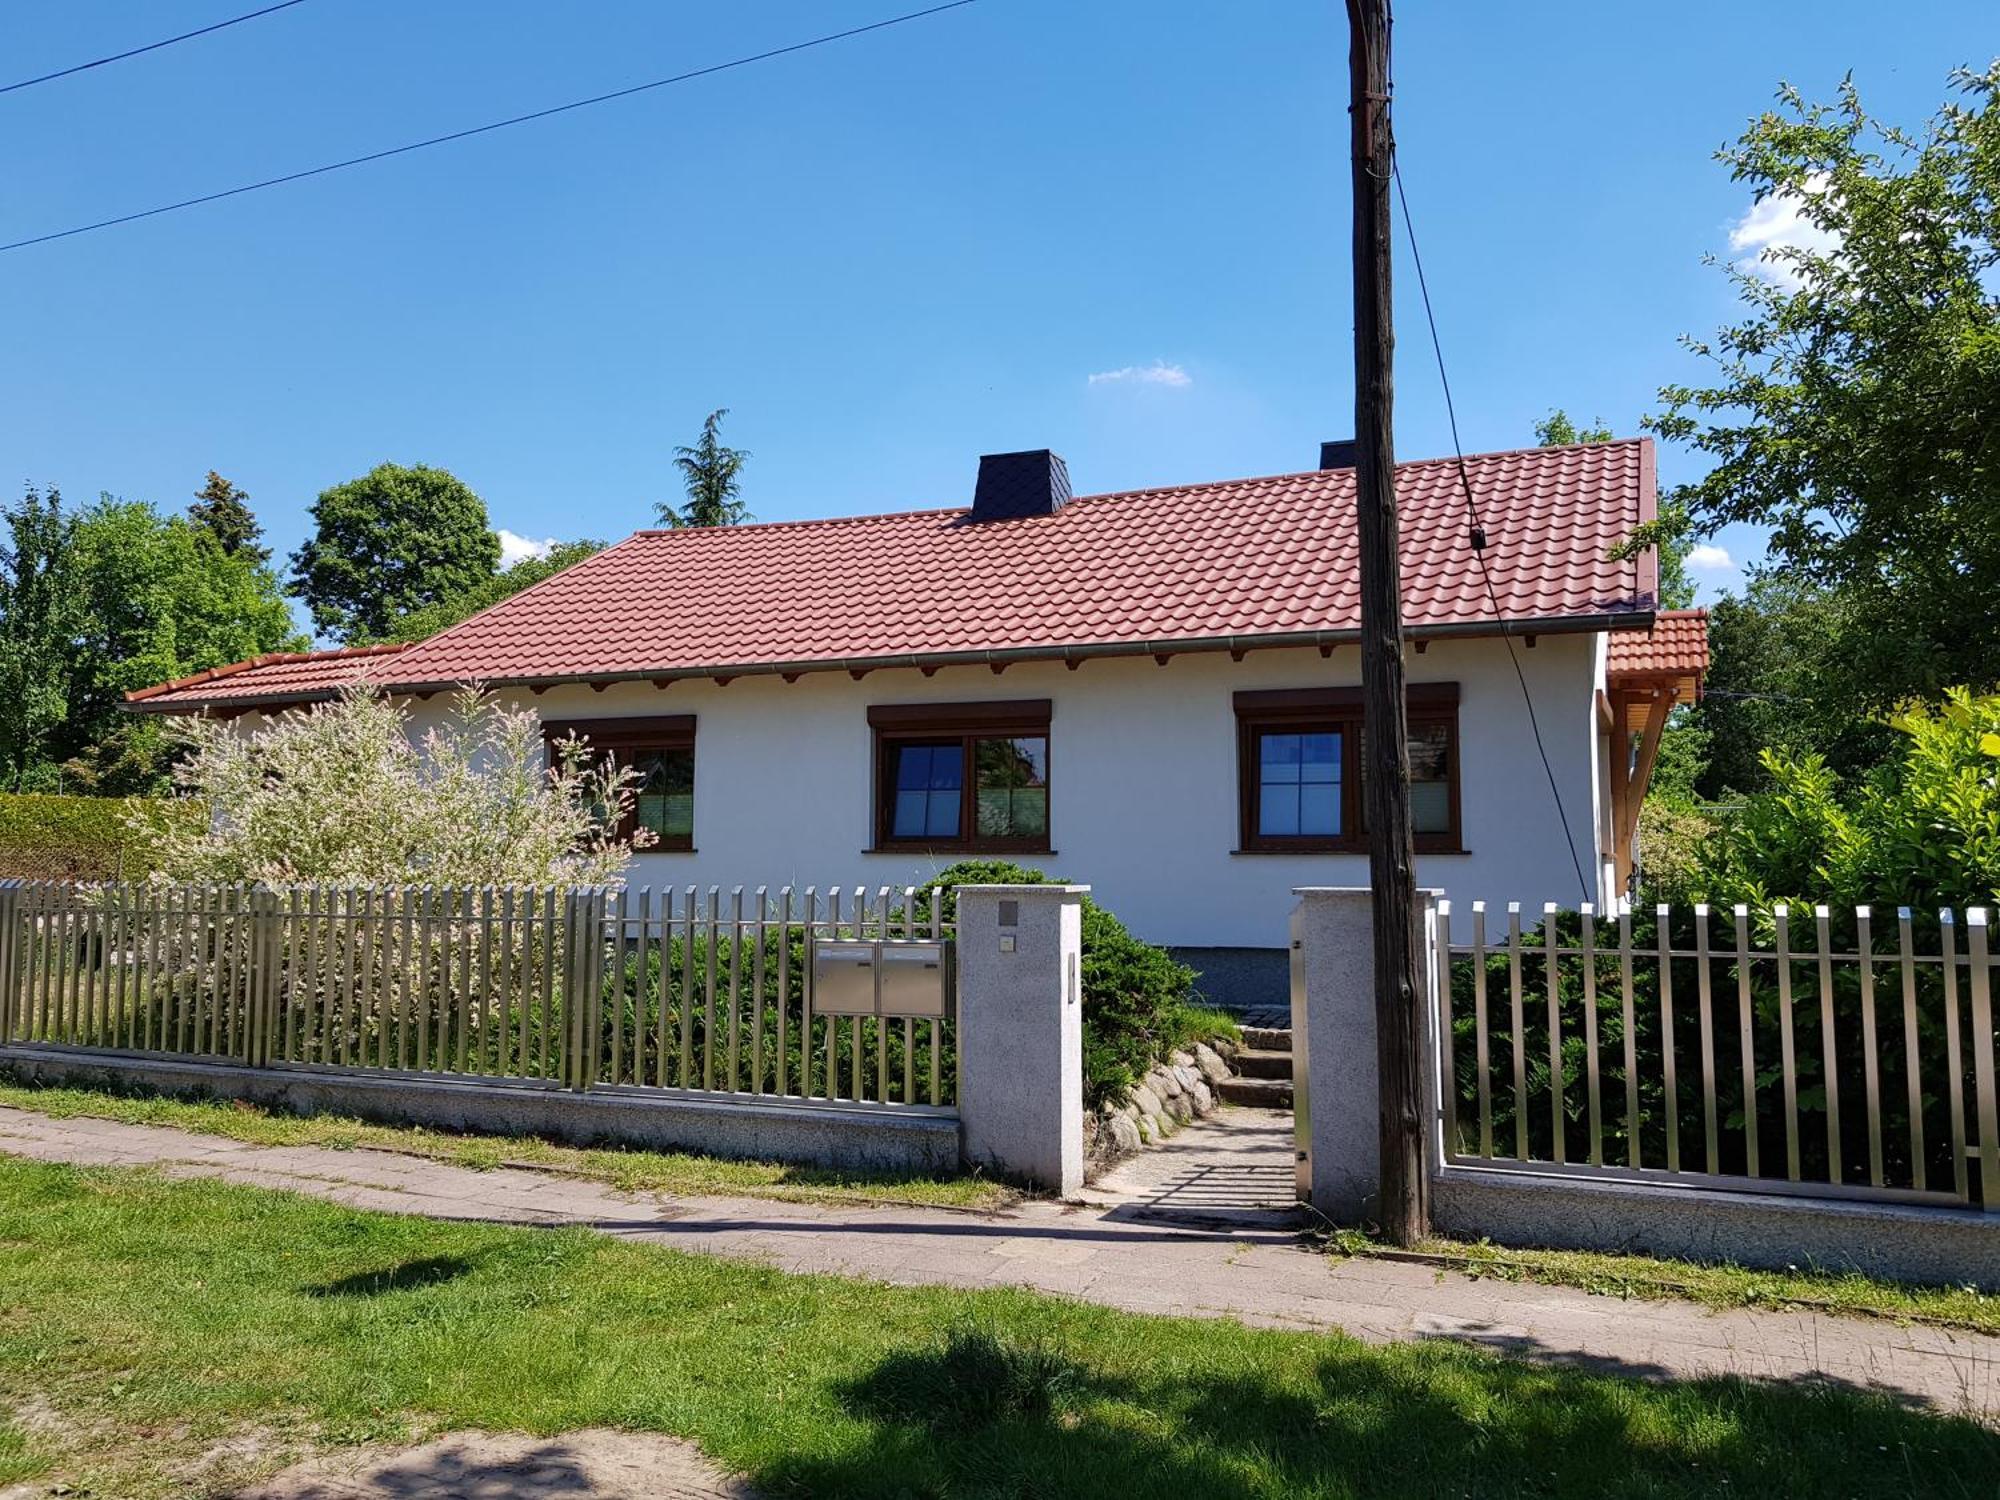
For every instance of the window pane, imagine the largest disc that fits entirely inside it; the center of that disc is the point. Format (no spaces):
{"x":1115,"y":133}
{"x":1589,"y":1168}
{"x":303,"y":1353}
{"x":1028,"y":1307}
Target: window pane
{"x":1430,"y":807}
{"x":663,"y":792}
{"x":1319,"y":757}
{"x":1278,"y":758}
{"x":1299,"y":775}
{"x":1430,"y":752}
{"x":1012,"y":777}
{"x":1278,"y":811}
{"x":1319,"y":809}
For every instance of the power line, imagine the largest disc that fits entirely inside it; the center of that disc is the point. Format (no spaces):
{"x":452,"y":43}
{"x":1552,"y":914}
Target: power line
{"x":185,"y":36}
{"x":1479,"y":536}
{"x":459,"y":135}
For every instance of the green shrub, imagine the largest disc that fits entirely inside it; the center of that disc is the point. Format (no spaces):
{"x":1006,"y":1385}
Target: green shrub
{"x":1921,"y":830}
{"x":1135,"y":996}
{"x":74,"y":838}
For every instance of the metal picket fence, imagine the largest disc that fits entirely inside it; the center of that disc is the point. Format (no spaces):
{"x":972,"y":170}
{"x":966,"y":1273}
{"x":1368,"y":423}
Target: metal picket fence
{"x":1720,"y":1049}
{"x":559,"y":988}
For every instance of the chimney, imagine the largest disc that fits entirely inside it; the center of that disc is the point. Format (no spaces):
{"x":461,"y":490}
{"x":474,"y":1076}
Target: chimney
{"x":1337,"y":455}
{"x":1012,"y":485}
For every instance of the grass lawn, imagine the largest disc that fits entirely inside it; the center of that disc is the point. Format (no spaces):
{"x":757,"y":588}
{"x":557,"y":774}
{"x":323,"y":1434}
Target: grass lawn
{"x":1712,"y":1285}
{"x":145,"y":1323}
{"x":632,"y":1171}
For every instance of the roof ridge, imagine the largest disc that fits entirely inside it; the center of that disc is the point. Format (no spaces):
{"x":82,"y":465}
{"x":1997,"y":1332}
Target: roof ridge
{"x":1127,"y":494}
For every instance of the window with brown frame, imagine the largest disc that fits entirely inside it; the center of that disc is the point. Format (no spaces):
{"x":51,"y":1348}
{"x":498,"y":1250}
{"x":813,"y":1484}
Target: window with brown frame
{"x":1299,"y":759}
{"x":962,"y":777}
{"x":660,"y":749}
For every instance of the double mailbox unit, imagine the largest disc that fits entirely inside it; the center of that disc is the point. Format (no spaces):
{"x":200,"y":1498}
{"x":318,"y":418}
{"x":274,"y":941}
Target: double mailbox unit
{"x":883,"y":977}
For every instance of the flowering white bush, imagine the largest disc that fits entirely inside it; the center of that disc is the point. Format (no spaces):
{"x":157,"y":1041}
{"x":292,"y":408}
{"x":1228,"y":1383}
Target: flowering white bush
{"x":341,"y":793}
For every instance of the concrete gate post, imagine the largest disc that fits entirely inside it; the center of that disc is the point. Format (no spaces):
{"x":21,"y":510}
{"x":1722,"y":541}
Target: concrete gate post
{"x":1020,"y":1032}
{"x":1335,"y":1074}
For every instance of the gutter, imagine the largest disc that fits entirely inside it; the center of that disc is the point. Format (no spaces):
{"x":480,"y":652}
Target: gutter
{"x":1072,"y":656}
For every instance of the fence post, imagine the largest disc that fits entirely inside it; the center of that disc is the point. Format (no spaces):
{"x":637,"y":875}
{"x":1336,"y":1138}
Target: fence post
{"x":1337,"y":1080}
{"x":10,"y":965}
{"x":1020,"y":1032}
{"x":262,"y":1010}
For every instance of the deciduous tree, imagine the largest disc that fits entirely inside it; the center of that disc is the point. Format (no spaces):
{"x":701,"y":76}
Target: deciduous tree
{"x":394,"y":540}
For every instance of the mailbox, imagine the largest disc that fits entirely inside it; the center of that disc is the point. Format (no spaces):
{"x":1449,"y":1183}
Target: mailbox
{"x":886,"y":977}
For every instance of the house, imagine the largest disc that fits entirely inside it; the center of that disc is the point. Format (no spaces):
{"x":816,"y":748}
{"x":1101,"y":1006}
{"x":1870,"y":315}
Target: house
{"x":1156,"y":692}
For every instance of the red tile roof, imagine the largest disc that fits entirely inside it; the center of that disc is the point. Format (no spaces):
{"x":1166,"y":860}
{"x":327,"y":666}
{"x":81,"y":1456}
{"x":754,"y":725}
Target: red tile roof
{"x":1206,"y":566}
{"x":1676,"y":646}
{"x":274,"y":673}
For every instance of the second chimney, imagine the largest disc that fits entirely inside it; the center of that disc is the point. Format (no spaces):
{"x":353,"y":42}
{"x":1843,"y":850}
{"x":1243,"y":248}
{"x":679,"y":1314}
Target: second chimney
{"x":1013,"y":485}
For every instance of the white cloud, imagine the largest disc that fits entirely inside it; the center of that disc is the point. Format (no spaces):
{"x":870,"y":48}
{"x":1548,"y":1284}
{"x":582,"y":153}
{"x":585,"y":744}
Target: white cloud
{"x":1710,"y":558}
{"x":515,"y":548}
{"x":1779,"y":222}
{"x":1157,"y":373}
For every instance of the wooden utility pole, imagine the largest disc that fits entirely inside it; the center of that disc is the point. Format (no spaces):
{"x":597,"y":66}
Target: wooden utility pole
{"x":1405,"y":1190}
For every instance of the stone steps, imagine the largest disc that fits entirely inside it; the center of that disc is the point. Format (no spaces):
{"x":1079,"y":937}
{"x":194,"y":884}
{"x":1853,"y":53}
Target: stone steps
{"x":1263,"y":1093}
{"x":1263,"y":1068}
{"x":1254,"y":1062}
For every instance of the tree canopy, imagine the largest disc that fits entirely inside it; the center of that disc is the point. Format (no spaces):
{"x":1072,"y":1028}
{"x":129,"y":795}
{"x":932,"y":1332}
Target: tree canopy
{"x":428,"y":620}
{"x":391,"y":542}
{"x":1854,"y":410}
{"x":711,"y":474}
{"x":97,"y":602}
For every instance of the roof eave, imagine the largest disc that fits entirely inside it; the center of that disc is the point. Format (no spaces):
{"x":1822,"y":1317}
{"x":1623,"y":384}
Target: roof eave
{"x":1633,"y":618}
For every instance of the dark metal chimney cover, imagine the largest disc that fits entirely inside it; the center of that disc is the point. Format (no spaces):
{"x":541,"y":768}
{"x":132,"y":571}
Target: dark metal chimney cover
{"x":1013,"y":485}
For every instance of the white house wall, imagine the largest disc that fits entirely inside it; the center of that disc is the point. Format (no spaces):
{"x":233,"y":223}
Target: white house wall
{"x":1142,"y":769}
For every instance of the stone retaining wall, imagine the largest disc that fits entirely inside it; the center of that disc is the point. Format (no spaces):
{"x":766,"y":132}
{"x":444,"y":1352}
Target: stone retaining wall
{"x":1170,"y":1095}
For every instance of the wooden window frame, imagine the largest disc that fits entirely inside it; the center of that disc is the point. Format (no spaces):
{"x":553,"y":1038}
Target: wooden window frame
{"x":1337,"y":711}
{"x":619,"y":737}
{"x":896,"y":724}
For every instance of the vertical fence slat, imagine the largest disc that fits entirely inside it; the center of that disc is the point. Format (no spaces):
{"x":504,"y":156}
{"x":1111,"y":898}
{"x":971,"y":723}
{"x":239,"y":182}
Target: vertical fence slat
{"x":708,"y":980}
{"x":1913,"y":1072}
{"x":621,"y":915}
{"x":544,"y":1068}
{"x":1871,"y":1059}
{"x":1518,"y":1018}
{"x":1746,"y":1021}
{"x":909,"y":1025}
{"x":666,"y":966}
{"x":735,"y":988}
{"x":806,"y":995}
{"x":1705,"y":1006}
{"x":1630,"y":1019}
{"x":1829,"y":1041}
{"x":1954,"y":1055}
{"x":1482,"y":1046}
{"x":881,"y":1022}
{"x":1552,"y":974}
{"x":760,"y":901}
{"x":1663,"y":918}
{"x":1593,"y":1062}
{"x":1447,"y":1033}
{"x":1987,"y":1097}
{"x":1781,"y":919}
{"x":687,"y":989}
{"x":784,"y":985}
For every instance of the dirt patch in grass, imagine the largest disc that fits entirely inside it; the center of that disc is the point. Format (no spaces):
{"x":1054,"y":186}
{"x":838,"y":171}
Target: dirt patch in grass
{"x":596,"y":1463}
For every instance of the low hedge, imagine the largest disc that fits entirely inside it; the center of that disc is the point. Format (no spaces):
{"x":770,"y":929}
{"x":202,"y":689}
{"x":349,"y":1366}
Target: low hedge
{"x":1137,"y":1004}
{"x":69,"y":838}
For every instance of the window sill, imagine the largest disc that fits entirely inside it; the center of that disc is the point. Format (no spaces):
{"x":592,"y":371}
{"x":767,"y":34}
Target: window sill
{"x":664,"y":849}
{"x":957,"y":849}
{"x":1352,"y":851}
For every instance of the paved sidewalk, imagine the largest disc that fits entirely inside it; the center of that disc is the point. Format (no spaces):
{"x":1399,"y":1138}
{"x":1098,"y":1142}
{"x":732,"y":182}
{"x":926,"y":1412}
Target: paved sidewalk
{"x":1114,"y":1256}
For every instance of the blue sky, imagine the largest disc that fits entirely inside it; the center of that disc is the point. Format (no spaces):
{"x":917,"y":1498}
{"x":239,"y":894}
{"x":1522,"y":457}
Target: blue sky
{"x":887,"y":256}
